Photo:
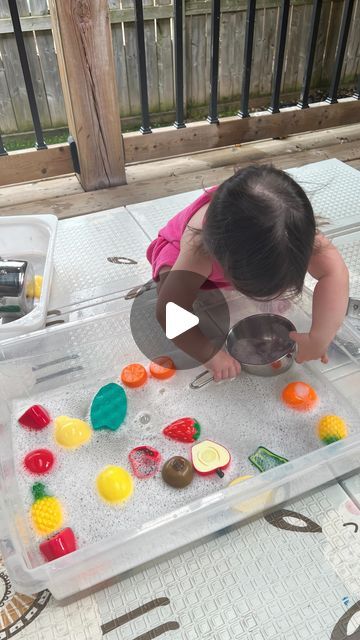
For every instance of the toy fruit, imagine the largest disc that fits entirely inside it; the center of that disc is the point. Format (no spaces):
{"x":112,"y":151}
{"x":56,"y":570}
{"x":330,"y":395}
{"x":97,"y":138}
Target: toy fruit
{"x":183,"y":430}
{"x":145,"y":461}
{"x":108,"y":408}
{"x":177,"y":472}
{"x":134,"y":375}
{"x":71,"y":433}
{"x":259,"y":502}
{"x":299,"y":396}
{"x":238,"y":480}
{"x":46,"y":512}
{"x":208,"y":456}
{"x":33,"y":290}
{"x":59,"y":545}
{"x":264,"y":459}
{"x":162,"y":368}
{"x":36,"y":418}
{"x":331,"y":428}
{"x":39,"y":461}
{"x":114,"y":484}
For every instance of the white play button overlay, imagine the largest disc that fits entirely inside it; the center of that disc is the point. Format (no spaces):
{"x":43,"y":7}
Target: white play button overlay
{"x":154,"y":338}
{"x":178,"y":320}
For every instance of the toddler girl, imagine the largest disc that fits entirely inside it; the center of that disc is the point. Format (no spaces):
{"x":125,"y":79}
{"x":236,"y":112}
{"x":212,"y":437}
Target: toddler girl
{"x":257,"y":233}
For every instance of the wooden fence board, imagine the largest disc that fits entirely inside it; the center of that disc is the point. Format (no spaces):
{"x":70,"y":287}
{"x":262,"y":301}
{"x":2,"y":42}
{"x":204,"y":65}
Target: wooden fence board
{"x":15,"y":81}
{"x":320,"y":44}
{"x":49,"y":67}
{"x":120,"y":69}
{"x":165,"y":65}
{"x":258,"y":48}
{"x":352,"y":55}
{"x":151,"y":61}
{"x":50,"y":71}
{"x":331,"y":40}
{"x":39,"y":7}
{"x":198,"y":60}
{"x":131,"y":62}
{"x":265,"y":71}
{"x":303,"y":38}
{"x":8,"y":120}
{"x":231,"y":54}
{"x":159,"y":50}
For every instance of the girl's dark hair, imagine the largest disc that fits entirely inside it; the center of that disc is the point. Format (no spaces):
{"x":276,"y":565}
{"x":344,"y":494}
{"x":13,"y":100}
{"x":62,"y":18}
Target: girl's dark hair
{"x":260,"y":227}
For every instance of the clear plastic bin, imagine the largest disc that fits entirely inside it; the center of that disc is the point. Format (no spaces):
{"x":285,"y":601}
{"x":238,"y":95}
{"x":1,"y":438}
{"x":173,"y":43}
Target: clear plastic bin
{"x":87,"y":350}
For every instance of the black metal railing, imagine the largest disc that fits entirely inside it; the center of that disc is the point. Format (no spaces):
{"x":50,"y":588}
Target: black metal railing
{"x":214,"y":65}
{"x":343,"y":36}
{"x":179,"y":64}
{"x":3,"y":151}
{"x":314,"y":30}
{"x":281,"y":40}
{"x":248,"y":49}
{"x":357,"y":89}
{"x":279,"y":57}
{"x":40,"y":142}
{"x":141,"y":58}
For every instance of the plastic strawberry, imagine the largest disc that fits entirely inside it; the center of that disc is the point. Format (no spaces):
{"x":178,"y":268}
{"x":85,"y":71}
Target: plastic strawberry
{"x":183,"y":430}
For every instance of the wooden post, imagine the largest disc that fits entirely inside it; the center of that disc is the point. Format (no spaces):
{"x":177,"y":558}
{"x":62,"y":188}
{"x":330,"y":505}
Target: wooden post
{"x":83,"y":40}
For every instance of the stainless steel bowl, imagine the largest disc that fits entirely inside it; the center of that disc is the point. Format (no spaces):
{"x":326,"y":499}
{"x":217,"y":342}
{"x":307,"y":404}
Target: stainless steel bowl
{"x":16,"y":288}
{"x":262,"y":345}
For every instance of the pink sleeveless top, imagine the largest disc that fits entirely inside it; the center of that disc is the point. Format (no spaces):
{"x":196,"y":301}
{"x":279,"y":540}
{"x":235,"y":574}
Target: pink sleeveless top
{"x":165,"y":249}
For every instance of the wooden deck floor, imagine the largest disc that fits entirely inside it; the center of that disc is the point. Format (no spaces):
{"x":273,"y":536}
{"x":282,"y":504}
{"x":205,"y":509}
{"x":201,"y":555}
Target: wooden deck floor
{"x":65,"y":197}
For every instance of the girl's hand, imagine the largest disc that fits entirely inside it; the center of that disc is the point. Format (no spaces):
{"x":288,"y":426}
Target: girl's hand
{"x":223,"y":366}
{"x":309,"y":347}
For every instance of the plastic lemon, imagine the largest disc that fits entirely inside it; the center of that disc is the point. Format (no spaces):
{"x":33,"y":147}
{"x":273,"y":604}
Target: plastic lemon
{"x":114,"y":484}
{"x":254,"y":503}
{"x":331,"y":429}
{"x":71,"y":432}
{"x":46,"y":512}
{"x":33,"y":289}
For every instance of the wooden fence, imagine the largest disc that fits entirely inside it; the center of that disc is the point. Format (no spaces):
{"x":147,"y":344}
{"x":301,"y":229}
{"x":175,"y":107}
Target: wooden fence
{"x":14,"y":110}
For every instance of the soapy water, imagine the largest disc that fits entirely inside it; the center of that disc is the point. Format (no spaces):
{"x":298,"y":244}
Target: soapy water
{"x":260,"y":350}
{"x":240,"y":415}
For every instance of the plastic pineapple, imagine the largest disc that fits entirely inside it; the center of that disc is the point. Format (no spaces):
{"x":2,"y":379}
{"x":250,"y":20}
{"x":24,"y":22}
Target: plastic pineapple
{"x":331,"y":428}
{"x":46,"y":512}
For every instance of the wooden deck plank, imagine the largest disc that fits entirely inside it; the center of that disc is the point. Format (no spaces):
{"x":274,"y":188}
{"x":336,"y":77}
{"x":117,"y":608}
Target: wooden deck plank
{"x":155,"y":179}
{"x":19,"y":194}
{"x":140,"y":190}
{"x":251,"y":152}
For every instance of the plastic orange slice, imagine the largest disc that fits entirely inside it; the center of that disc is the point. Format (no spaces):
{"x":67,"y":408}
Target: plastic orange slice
{"x":299,"y":396}
{"x":162,"y":368}
{"x":134,"y":375}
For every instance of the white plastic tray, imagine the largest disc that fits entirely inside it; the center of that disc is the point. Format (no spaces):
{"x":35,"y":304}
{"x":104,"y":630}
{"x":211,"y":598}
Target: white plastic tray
{"x":29,"y":238}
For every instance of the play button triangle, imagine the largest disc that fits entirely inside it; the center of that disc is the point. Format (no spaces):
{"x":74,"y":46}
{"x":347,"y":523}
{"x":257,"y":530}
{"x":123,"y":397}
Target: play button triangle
{"x":178,"y":320}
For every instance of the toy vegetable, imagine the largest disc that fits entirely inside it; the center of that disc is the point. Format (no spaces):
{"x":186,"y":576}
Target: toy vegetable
{"x":59,"y":545}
